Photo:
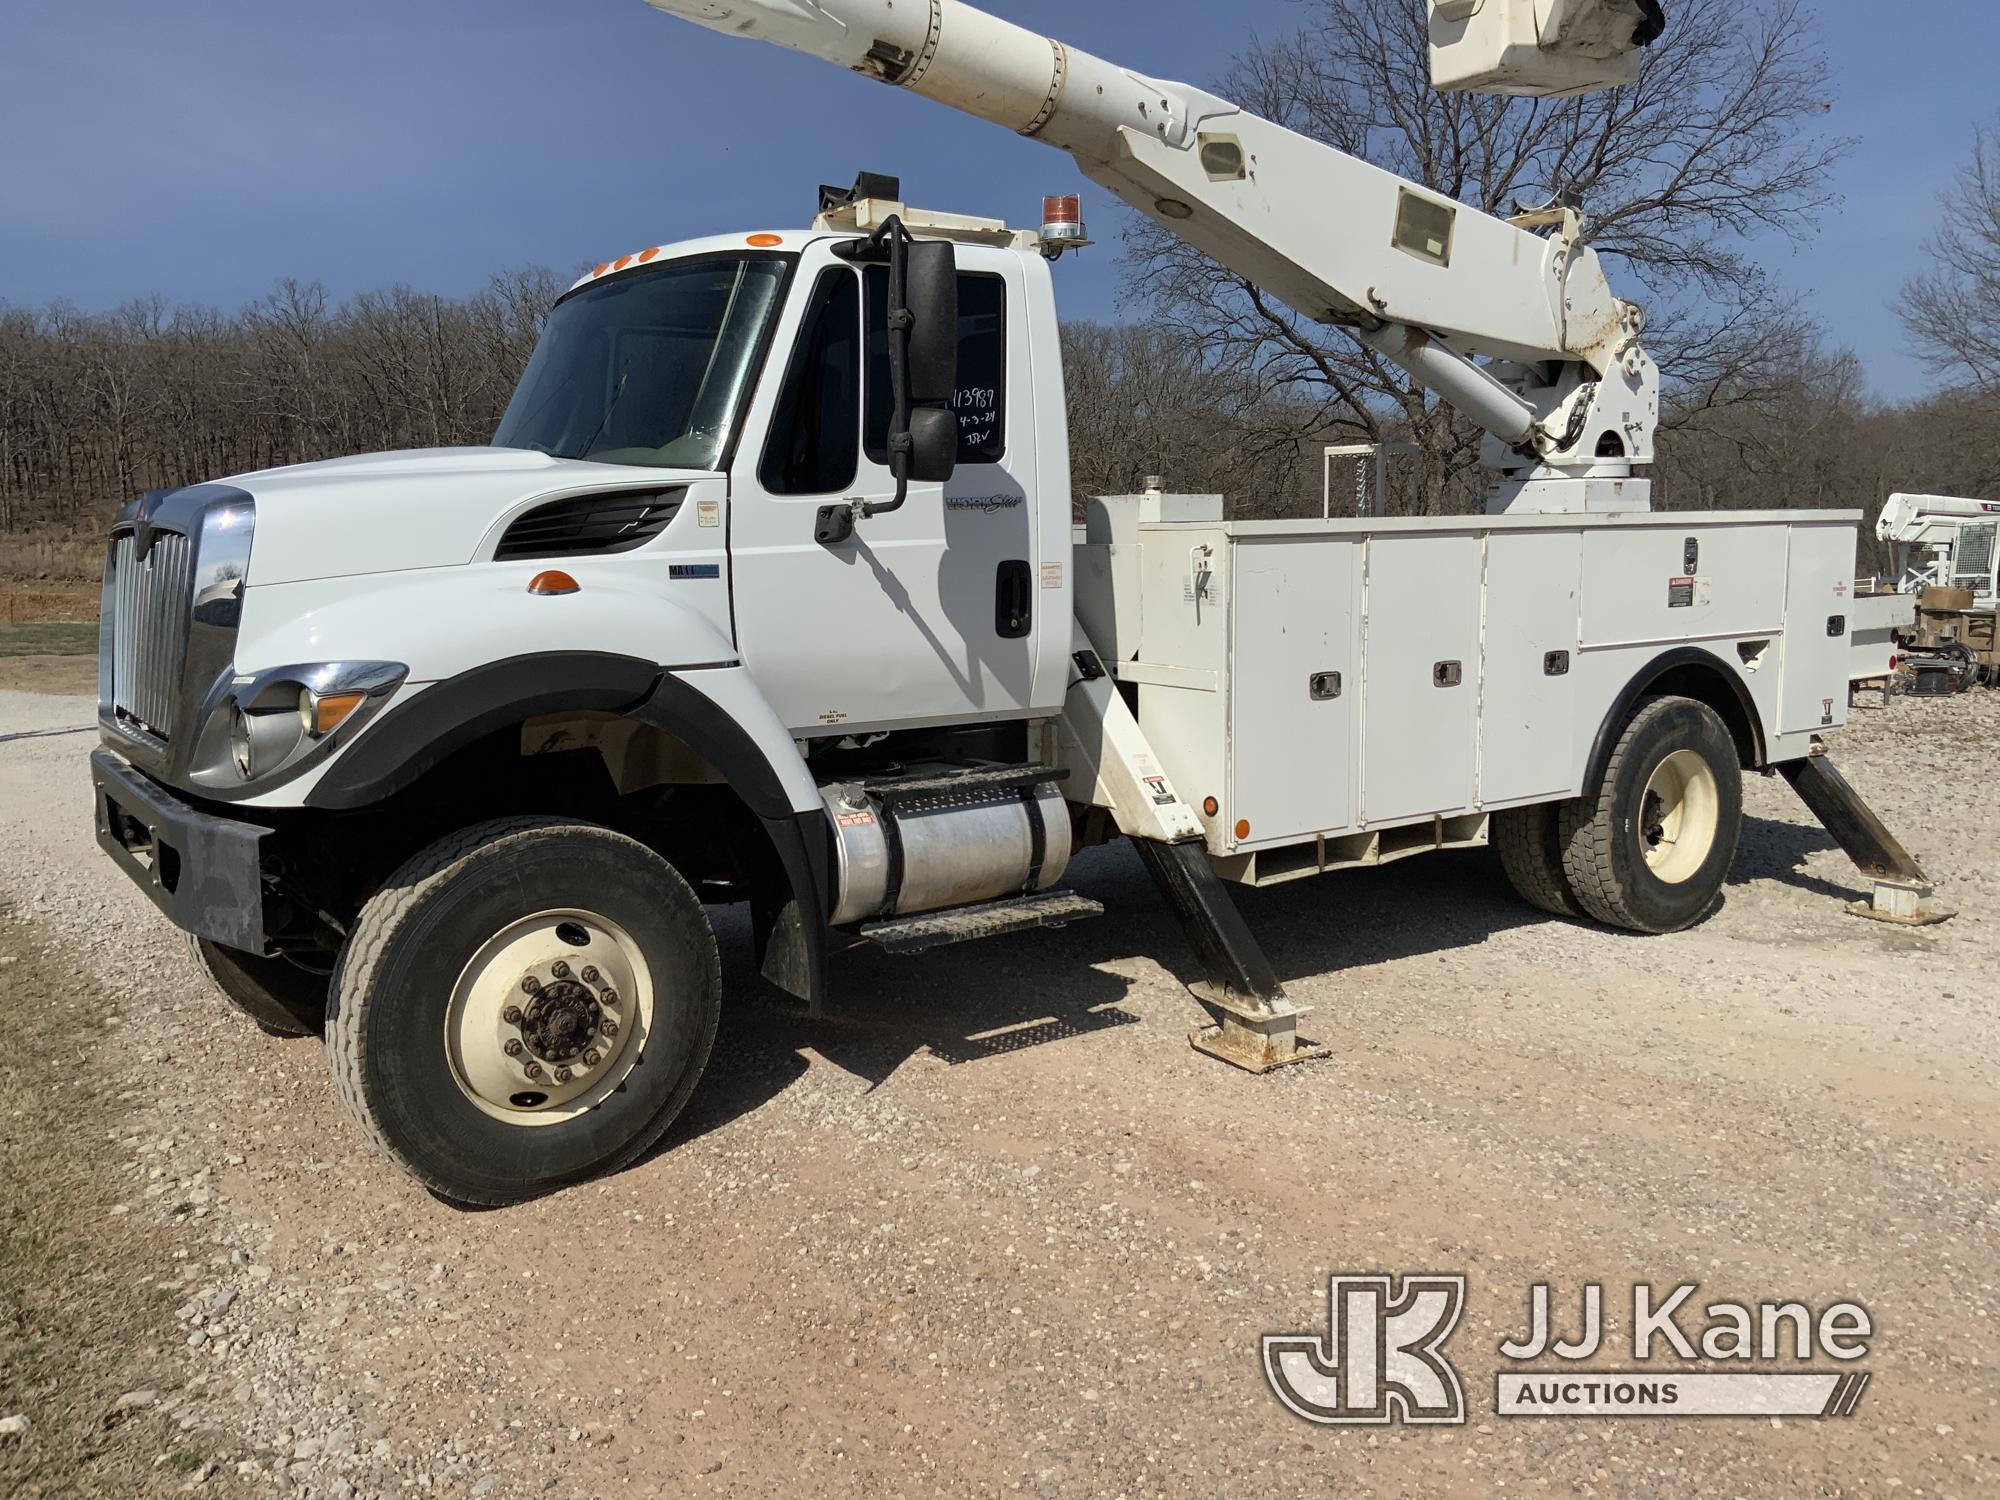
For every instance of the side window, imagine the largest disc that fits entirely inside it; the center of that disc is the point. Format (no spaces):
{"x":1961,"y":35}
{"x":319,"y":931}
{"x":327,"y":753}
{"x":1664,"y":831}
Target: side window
{"x":981,"y":399}
{"x":813,"y":447}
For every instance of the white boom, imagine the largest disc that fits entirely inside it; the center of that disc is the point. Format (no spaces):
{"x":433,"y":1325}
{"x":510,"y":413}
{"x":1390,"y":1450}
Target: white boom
{"x":1959,"y":535}
{"x":1569,"y":395}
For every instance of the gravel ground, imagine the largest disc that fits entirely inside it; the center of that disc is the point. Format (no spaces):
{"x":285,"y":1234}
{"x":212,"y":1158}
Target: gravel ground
{"x":997,"y":1228}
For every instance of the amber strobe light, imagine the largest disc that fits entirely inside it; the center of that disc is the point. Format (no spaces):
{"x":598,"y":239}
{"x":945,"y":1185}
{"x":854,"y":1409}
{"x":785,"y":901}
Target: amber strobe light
{"x":1062,"y":221}
{"x":554,"y":581}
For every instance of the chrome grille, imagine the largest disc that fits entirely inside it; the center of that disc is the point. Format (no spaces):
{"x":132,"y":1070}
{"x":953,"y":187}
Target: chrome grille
{"x":150,"y":609}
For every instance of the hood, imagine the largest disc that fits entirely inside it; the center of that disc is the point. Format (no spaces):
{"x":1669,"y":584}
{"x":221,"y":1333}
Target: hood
{"x":424,"y":508}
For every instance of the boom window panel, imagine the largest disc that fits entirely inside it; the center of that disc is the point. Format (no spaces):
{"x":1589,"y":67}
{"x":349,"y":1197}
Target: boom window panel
{"x":981,"y":399}
{"x":815,"y":443}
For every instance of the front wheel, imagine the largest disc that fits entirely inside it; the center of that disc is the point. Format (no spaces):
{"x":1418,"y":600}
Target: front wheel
{"x":1650,"y":851}
{"x":524,"y":1005}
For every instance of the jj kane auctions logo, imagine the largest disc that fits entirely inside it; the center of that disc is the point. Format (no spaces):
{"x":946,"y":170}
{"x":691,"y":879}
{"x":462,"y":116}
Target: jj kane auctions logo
{"x":1382,"y":1360}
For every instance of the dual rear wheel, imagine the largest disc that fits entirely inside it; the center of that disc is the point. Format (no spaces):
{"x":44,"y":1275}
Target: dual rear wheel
{"x":1650,"y":849}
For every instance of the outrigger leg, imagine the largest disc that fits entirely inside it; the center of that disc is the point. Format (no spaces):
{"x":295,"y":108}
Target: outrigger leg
{"x":1902,"y":889}
{"x":1256,"y":1025}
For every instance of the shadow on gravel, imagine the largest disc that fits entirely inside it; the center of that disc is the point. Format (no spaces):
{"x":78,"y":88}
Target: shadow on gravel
{"x":985,"y":999}
{"x":1777,"y":851}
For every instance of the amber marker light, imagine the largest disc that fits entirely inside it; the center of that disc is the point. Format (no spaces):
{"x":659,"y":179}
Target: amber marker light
{"x":765,"y":241}
{"x":553,"y":582}
{"x":331,"y":711}
{"x":1210,"y":806}
{"x":1243,"y":828}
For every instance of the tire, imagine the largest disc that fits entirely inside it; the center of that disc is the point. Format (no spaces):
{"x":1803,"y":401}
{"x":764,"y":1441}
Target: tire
{"x":489,"y":1091}
{"x":1530,"y":843}
{"x":1650,"y":850}
{"x":283,"y":999}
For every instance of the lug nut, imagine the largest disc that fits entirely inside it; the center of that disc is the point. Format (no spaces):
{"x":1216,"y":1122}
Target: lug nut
{"x":531,"y":985}
{"x":563,"y":1075}
{"x":511,"y":1015}
{"x":609,"y":997}
{"x":534,"y":1070}
{"x":560,"y":968}
{"x":589,"y":975}
{"x":610,"y":1027}
{"x":592,"y":1058}
{"x":513,"y":1047}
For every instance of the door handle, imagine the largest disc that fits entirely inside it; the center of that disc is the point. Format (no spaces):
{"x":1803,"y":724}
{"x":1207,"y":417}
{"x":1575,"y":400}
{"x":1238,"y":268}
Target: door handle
{"x":1013,"y":599}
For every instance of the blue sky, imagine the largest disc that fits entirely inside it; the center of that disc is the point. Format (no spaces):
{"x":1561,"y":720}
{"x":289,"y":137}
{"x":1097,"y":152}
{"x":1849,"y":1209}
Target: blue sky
{"x":204,"y":149}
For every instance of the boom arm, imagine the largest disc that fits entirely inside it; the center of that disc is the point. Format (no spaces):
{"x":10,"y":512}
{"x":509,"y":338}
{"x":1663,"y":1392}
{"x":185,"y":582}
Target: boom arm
{"x":1425,"y":280}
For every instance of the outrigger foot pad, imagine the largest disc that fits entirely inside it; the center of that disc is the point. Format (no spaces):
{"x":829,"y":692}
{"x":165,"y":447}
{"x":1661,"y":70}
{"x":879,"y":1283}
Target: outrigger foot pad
{"x":1255,"y":1025}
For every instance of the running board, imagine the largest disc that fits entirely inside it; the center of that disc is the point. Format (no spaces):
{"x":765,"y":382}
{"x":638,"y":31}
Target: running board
{"x":964,"y":924}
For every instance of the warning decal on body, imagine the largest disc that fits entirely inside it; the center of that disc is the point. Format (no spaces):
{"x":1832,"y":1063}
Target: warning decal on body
{"x":1680,"y":593}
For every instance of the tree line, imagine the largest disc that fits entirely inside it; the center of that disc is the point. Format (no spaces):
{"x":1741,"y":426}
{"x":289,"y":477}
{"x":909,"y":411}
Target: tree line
{"x":95,"y":408}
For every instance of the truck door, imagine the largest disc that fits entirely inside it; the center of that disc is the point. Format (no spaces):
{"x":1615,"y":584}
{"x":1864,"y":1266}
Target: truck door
{"x":926,"y":614}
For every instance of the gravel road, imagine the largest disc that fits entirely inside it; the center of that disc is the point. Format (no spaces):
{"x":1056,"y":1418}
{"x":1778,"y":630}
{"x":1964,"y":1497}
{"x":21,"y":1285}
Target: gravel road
{"x":996,"y":1228}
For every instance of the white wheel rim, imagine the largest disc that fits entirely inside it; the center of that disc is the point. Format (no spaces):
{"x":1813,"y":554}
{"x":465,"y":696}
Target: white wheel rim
{"x":1678,"y":816}
{"x":549,"y":1017}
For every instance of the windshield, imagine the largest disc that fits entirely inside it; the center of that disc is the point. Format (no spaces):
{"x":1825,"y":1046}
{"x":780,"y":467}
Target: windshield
{"x":647,"y":368}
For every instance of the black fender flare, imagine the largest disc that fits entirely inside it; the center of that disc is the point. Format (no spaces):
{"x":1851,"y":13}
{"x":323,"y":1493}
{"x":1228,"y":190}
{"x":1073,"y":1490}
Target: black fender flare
{"x":1642,"y":683}
{"x":792,"y":939}
{"x":447,"y":716}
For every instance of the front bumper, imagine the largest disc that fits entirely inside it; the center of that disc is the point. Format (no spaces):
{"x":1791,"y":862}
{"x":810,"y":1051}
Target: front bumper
{"x":205,"y":872}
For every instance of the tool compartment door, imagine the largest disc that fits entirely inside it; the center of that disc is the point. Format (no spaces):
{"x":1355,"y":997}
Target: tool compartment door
{"x":1420,"y":709}
{"x":1528,"y":714}
{"x":1292,"y":687}
{"x":1819,"y":596}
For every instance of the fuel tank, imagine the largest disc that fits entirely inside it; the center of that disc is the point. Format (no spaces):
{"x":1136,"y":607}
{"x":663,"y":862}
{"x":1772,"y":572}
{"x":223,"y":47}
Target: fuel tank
{"x":924,"y":843}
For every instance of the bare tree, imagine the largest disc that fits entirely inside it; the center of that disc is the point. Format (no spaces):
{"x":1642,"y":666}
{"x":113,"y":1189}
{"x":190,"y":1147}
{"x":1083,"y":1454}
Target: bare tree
{"x":1953,"y":311}
{"x":1716,"y":142}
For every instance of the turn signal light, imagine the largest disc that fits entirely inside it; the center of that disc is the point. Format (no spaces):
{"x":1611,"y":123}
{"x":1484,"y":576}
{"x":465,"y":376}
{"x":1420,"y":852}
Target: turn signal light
{"x":330,"y":712}
{"x":321,"y":714}
{"x":554,"y":581}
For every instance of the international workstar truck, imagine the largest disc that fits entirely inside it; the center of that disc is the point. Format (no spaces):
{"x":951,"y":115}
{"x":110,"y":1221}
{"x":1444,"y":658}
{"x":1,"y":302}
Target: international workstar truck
{"x":769,"y":590}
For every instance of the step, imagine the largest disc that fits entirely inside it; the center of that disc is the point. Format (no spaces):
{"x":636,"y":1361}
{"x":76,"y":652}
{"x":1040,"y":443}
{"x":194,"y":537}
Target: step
{"x":963,"y":924}
{"x":974,"y":781}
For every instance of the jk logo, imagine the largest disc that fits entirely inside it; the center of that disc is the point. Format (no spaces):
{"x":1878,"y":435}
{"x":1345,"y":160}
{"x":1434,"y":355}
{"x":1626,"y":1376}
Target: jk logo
{"x":1380,"y":1361}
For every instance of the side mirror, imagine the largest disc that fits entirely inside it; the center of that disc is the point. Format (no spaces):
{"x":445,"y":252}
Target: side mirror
{"x":933,"y":444}
{"x":931,"y":295}
{"x":923,"y":369}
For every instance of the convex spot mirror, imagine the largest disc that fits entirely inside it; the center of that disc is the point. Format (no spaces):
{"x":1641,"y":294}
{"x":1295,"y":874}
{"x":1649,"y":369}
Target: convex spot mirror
{"x":933,"y":444}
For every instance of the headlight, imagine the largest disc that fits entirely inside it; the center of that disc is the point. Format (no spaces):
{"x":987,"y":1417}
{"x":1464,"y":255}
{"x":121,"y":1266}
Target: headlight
{"x":269,"y":726}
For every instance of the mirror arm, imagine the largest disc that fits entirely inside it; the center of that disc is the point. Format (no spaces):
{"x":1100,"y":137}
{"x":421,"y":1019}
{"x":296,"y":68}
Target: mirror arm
{"x":836,"y":522}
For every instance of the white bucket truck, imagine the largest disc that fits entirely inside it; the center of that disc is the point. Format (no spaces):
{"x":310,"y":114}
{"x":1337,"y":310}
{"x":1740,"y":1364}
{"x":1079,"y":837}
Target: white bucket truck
{"x":768,"y":591}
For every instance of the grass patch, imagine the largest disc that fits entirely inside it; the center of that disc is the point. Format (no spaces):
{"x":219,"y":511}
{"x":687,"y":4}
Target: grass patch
{"x":76,"y":1330}
{"x":48,"y":640}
